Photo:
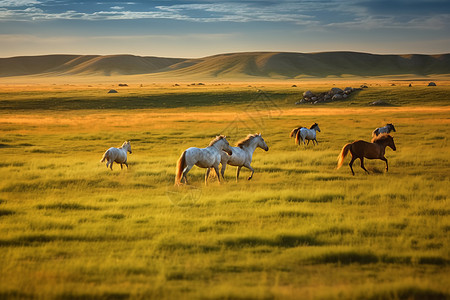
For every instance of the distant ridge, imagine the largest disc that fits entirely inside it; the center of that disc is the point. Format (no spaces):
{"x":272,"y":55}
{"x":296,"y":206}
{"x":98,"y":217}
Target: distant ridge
{"x":282,"y":65}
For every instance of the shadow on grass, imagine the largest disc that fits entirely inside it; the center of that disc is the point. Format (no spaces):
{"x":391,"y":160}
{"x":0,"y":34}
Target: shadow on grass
{"x":59,"y":184}
{"x":130,"y":102}
{"x":67,"y":206}
{"x":314,"y":199}
{"x":281,"y":240}
{"x":6,"y":212}
{"x":404,"y":293}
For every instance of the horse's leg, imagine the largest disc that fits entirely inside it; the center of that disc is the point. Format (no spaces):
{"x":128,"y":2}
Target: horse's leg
{"x":126,"y":164}
{"x":317,"y":143}
{"x":385,"y":160}
{"x":351,"y":165}
{"x":216,"y":168}
{"x":362,"y":164}
{"x":121,"y":166}
{"x":110,"y":165}
{"x":237,"y":172}
{"x":251,"y":169}
{"x":222,"y":171}
{"x":207,"y":175}
{"x":185,"y":171}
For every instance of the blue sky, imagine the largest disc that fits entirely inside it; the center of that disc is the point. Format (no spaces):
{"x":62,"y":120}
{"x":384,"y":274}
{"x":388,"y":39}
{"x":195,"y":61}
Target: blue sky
{"x":201,"y":28}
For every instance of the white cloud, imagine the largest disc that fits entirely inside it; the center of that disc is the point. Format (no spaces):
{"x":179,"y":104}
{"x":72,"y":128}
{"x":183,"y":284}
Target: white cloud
{"x":309,"y":13}
{"x":220,"y":12}
{"x":18,"y":3}
{"x":437,"y":22}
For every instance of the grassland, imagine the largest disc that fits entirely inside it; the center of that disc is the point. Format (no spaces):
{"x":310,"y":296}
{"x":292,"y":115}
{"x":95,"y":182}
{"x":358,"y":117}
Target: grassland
{"x":71,"y":229}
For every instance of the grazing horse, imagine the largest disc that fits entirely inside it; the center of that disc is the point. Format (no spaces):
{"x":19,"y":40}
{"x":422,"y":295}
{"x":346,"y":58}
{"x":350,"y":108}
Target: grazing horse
{"x":360,"y":149}
{"x":208,"y":157}
{"x":385,"y":129}
{"x":242,"y":154}
{"x":118,"y":155}
{"x":307,"y":134}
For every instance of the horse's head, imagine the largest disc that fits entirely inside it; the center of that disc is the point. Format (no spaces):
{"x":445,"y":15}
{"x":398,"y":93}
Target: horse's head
{"x":224,"y":144}
{"x":315,"y":126}
{"x":390,"y":142}
{"x":391,"y":126}
{"x":127,"y":145}
{"x":261,"y":143}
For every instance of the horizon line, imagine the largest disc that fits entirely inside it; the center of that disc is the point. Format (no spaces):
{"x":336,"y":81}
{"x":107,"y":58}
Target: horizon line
{"x":224,"y":53}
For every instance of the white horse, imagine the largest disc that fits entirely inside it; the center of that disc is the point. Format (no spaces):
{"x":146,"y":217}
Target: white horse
{"x":208,"y":157}
{"x":242,"y":154}
{"x":118,"y":155}
{"x":385,"y":129}
{"x":307,"y":134}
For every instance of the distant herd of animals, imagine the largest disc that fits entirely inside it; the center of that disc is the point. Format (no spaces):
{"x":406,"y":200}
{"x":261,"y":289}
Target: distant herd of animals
{"x":219,"y":151}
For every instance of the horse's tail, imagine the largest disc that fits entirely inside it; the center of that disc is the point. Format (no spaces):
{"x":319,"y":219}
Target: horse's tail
{"x":297,"y":137}
{"x":181,"y":164}
{"x":343,"y":154}
{"x":294,"y":131}
{"x":375,"y":132}
{"x":105,"y":156}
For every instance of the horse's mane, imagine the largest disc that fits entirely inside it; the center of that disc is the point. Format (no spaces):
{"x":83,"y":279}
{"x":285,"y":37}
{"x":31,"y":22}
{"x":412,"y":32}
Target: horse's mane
{"x":218,"y":138}
{"x":246,"y":141}
{"x":381,"y":137}
{"x":313,"y":125}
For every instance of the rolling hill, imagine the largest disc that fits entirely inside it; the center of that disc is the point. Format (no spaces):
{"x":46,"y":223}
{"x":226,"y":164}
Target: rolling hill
{"x":280,"y":65}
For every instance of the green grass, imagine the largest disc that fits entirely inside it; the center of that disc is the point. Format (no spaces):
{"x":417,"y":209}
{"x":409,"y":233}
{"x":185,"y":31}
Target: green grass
{"x":72,"y":229}
{"x":213,"y":95}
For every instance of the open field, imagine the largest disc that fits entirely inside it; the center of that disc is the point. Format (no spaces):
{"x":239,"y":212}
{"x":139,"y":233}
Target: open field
{"x":72,"y":229}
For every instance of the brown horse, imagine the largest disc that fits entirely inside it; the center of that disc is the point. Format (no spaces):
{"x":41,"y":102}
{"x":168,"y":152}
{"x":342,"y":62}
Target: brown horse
{"x":360,"y":149}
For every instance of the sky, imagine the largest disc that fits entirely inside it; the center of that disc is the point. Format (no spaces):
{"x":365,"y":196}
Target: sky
{"x":199,"y":28}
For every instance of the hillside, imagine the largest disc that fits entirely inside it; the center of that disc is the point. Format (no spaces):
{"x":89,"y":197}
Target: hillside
{"x":107,"y":65}
{"x":234,"y":65}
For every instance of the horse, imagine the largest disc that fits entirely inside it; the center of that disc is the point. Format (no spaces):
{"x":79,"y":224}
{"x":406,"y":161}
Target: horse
{"x":307,"y":134}
{"x":208,"y":157}
{"x":385,"y":129}
{"x":118,"y":155}
{"x":242,"y":154}
{"x":362,"y":149}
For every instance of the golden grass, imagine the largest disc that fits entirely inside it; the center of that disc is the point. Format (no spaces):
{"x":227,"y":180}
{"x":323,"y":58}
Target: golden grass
{"x":70,"y":228}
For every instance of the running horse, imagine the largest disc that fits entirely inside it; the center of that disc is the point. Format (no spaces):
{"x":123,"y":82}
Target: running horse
{"x":243,"y":153}
{"x":307,"y":134}
{"x":117,"y":155}
{"x":385,"y":129}
{"x":362,"y":149}
{"x":208,"y":158}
